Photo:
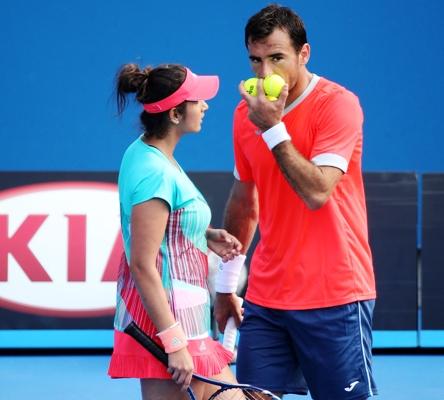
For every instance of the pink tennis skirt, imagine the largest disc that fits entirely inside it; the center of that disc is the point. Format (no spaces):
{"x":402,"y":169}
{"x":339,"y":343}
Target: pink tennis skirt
{"x":131,"y":360}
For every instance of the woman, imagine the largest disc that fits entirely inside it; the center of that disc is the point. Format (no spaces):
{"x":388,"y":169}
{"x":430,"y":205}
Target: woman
{"x":162,"y":283}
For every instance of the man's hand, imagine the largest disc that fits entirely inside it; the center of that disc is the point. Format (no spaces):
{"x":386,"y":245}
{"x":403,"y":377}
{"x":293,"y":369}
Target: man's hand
{"x":262,"y":112}
{"x":225,"y":306}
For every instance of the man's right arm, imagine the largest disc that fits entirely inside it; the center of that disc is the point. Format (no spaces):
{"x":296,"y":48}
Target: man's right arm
{"x":240,"y":219}
{"x":242,"y":212}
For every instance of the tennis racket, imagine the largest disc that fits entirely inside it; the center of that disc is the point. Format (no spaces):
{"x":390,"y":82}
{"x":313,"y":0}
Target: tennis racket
{"x":226,"y":391}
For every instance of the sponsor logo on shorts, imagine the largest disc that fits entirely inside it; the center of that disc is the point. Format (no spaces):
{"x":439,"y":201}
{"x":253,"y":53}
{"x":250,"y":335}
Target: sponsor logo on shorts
{"x":351,"y":387}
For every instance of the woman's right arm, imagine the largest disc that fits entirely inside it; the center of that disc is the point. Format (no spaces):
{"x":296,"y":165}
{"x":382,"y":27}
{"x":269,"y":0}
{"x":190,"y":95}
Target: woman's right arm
{"x":148,"y":222}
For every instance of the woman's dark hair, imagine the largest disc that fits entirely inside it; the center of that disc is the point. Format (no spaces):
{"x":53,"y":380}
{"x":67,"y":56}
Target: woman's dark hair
{"x":262,"y":24}
{"x":150,"y":85}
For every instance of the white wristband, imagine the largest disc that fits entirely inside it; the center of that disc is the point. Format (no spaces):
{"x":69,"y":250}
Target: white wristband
{"x":275,"y":135}
{"x":227,"y":276}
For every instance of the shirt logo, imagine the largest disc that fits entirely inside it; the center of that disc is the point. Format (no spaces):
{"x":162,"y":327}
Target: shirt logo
{"x":351,"y":387}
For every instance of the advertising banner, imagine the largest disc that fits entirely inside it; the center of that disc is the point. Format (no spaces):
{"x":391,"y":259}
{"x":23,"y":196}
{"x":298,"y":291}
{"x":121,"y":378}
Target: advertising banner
{"x":60,"y":245}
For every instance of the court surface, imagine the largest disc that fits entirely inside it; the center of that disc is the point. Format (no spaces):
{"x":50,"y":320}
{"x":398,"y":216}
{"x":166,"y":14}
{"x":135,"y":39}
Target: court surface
{"x":399,"y":377}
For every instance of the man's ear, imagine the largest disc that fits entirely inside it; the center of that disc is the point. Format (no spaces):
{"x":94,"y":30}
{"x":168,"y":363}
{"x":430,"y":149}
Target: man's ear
{"x":304,"y":54}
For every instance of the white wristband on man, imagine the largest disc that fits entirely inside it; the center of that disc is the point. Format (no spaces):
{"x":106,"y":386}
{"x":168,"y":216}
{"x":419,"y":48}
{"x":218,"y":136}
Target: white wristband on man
{"x":227,"y":277}
{"x":275,"y":135}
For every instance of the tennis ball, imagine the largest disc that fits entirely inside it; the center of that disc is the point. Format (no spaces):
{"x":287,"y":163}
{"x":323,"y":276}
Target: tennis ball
{"x":273,"y":85}
{"x":250,"y":86}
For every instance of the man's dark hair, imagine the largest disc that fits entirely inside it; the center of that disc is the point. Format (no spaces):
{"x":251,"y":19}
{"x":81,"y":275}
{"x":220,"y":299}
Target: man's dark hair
{"x":262,"y":24}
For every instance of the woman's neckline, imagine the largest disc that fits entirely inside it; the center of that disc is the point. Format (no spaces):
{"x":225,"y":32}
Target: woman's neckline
{"x":172,"y":160}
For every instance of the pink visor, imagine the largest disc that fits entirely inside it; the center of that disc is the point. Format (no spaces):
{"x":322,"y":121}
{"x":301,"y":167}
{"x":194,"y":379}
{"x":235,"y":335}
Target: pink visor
{"x":195,"y":87}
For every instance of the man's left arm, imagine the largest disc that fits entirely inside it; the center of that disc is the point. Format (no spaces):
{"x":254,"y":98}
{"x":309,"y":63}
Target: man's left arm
{"x":312,"y":183}
{"x":313,"y":180}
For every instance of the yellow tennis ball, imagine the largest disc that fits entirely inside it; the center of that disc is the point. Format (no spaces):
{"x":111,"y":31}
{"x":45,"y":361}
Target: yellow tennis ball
{"x":273,"y":85}
{"x":250,"y":86}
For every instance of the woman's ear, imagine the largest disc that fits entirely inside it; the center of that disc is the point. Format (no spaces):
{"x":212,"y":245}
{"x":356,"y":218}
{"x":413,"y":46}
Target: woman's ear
{"x":174,"y":116}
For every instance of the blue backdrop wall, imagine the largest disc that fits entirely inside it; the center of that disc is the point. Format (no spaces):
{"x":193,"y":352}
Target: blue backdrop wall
{"x":59,"y":58}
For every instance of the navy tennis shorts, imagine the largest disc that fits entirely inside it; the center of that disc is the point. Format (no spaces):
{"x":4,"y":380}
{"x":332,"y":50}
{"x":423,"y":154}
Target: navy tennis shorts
{"x":326,"y":351}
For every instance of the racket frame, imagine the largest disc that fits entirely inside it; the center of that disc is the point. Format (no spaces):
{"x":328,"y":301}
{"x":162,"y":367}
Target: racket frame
{"x":149,"y":344}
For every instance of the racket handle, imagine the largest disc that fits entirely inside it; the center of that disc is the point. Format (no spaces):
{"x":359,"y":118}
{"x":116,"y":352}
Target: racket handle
{"x":230,"y":334}
{"x":149,"y":344}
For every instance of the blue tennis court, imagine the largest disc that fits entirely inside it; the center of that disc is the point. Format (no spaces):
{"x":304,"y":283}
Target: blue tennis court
{"x":399,"y":377}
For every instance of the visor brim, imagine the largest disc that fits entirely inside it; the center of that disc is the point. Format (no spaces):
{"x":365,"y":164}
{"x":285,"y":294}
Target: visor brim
{"x":205,"y":88}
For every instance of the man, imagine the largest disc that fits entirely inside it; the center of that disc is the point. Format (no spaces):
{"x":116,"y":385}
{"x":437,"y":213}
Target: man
{"x":311,"y":290}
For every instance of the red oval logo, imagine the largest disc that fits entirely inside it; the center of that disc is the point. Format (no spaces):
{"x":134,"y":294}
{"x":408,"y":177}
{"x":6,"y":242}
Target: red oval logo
{"x":60,"y":245}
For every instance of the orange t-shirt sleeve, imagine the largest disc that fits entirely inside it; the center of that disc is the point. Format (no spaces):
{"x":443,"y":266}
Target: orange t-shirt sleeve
{"x":339,"y":128}
{"x":242,"y":169}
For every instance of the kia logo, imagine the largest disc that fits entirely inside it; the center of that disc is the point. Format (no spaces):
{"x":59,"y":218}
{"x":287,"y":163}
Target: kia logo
{"x":60,"y":247}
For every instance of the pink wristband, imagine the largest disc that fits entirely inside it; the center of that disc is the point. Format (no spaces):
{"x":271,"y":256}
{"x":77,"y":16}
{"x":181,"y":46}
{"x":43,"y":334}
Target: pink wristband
{"x":173,"y":338}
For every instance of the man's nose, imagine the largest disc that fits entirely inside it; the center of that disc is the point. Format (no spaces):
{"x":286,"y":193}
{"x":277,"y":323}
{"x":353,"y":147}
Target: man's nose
{"x":264,"y":70}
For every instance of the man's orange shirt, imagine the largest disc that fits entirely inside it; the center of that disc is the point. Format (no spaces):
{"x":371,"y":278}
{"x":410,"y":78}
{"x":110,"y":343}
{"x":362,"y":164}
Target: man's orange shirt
{"x":309,"y":259}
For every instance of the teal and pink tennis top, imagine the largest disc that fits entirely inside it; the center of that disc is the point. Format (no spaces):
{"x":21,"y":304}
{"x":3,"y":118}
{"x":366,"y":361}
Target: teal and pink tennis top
{"x":146,"y":173}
